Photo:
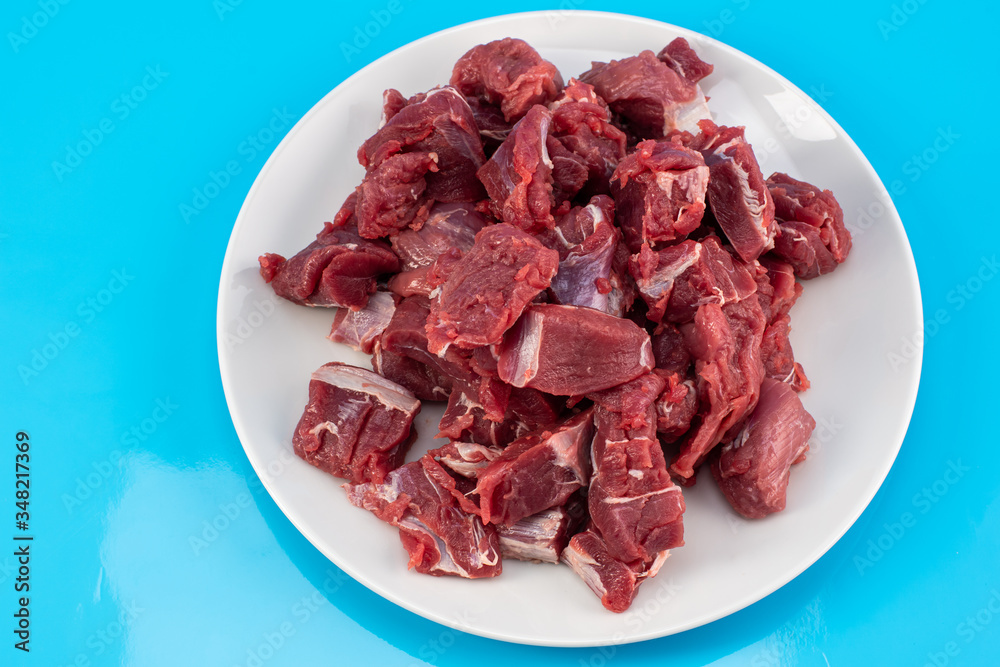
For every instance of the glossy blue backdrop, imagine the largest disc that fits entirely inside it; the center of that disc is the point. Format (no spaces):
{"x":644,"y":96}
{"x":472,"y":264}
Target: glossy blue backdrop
{"x":116,"y":116}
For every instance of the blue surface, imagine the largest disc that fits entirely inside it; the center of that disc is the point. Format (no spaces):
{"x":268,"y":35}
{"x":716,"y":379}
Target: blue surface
{"x":109,"y":351}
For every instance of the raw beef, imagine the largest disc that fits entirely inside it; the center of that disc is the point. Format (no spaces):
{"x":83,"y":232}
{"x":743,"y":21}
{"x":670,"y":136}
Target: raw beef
{"x":581,"y":123}
{"x":467,"y":419}
{"x":675,"y":408}
{"x":614,"y":581}
{"x":489,"y":288}
{"x":586,"y":274}
{"x":441,"y":538}
{"x":392,"y":196}
{"x":537,"y":471}
{"x":659,"y":190}
{"x":629,"y":403}
{"x":725,"y":344}
{"x":779,"y":361}
{"x":361,"y":328}
{"x":813,"y":238}
{"x":518,"y":176}
{"x":465,"y":458}
{"x":569,"y":171}
{"x":571,"y":351}
{"x":438,"y":122}
{"x":633,"y":502}
{"x":737,"y":193}
{"x":448,"y":227}
{"x":339,"y":268}
{"x":493,"y":127}
{"x":669,"y":349}
{"x":651,"y":97}
{"x":753,"y":469}
{"x":680,"y":57}
{"x":426,"y":383}
{"x":543,"y":536}
{"x":679,"y":279}
{"x":785,"y":290}
{"x":507,"y":73}
{"x":356,"y":424}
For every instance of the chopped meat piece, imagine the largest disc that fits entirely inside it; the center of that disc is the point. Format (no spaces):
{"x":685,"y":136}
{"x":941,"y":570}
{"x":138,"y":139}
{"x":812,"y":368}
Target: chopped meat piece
{"x":537,"y":471}
{"x":630,"y":402}
{"x":467,"y":419}
{"x":361,"y":328}
{"x":392,"y":198}
{"x":753,"y":469}
{"x":614,"y":581}
{"x":531,"y":408}
{"x":581,"y":123}
{"x":465,"y":458}
{"x":407,"y":335}
{"x":518,"y":177}
{"x":680,"y":57}
{"x":659,"y":190}
{"x":585,"y":273}
{"x":489,"y":288}
{"x":669,"y":350}
{"x":785,"y":290}
{"x":574,"y":226}
{"x":542,"y":536}
{"x":725,"y":344}
{"x":508,"y":73}
{"x":569,"y":171}
{"x":737,"y":193}
{"x":392,"y":103}
{"x":426,"y":383}
{"x":493,"y":127}
{"x":356,"y":424}
{"x":438,"y":122}
{"x":648,"y":94}
{"x":441,"y":538}
{"x":679,"y":279}
{"x":675,"y":408}
{"x":633,"y":502}
{"x":571,"y":351}
{"x":812,"y":238}
{"x":779,"y":361}
{"x":449,"y":227}
{"x":339,"y":268}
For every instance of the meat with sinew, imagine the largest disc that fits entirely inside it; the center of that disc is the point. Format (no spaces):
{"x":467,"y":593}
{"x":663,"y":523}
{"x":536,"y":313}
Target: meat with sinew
{"x":753,"y":469}
{"x":812,"y":236}
{"x":361,"y":329}
{"x":356,"y":425}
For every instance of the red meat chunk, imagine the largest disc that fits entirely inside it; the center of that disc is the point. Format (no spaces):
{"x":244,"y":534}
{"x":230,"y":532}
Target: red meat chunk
{"x":614,"y":581}
{"x":361,"y":329}
{"x":518,"y":176}
{"x":339,"y":268}
{"x":676,"y":407}
{"x":441,"y":123}
{"x":659,"y":190}
{"x":537,"y":471}
{"x":489,"y":288}
{"x":441,"y":538}
{"x":465,"y":458}
{"x":753,"y":469}
{"x":680,"y":57}
{"x":507,"y":73}
{"x":737,"y":193}
{"x":812,"y":238}
{"x":779,"y":361}
{"x":571,"y":351}
{"x":426,"y":383}
{"x":652,"y":98}
{"x":586,"y":275}
{"x":725,"y":343}
{"x":543,"y":536}
{"x":679,"y":279}
{"x":356,"y":424}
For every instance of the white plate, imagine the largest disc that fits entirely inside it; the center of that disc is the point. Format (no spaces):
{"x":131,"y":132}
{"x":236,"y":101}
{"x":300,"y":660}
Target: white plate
{"x":846,"y":326}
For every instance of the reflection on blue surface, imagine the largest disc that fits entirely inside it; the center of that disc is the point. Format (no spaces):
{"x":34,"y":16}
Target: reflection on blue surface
{"x":156,"y":544}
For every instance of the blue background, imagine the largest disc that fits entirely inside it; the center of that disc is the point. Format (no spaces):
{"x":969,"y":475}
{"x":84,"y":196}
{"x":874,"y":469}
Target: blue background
{"x":108,"y":351}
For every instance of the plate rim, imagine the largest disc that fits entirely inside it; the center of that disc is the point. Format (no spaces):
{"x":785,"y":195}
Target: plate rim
{"x":834,"y":536}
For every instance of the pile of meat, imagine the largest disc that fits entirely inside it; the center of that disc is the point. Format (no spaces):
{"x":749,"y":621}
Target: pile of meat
{"x":597,"y":279}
